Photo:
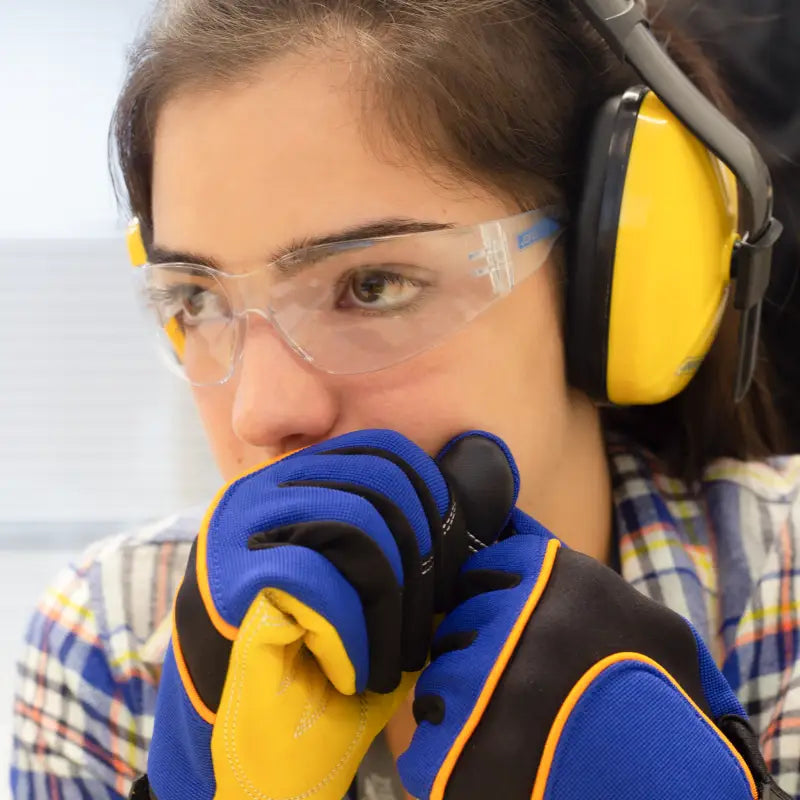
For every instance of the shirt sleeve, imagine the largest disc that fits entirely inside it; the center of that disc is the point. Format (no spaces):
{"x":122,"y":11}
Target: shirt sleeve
{"x":86,"y":688}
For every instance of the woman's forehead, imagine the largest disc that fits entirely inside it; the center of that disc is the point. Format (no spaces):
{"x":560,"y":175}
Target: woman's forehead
{"x":278,"y":134}
{"x":240,"y":168}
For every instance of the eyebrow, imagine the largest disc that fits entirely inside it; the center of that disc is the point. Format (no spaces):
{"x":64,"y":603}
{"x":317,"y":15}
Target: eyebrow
{"x":389,"y":226}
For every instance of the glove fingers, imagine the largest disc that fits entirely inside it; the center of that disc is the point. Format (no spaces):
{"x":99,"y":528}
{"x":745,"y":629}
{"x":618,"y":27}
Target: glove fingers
{"x":418,"y":566}
{"x":227,"y":540}
{"x":358,"y":472}
{"x":444,"y":519}
{"x":356,"y":541}
{"x":385,"y":486}
{"x":419,"y":467}
{"x":397,"y":497}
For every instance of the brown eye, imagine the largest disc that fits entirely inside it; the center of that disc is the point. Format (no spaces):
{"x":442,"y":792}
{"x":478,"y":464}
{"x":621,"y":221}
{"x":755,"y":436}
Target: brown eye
{"x":378,"y":289}
{"x":190,"y":304}
{"x":195,"y":304}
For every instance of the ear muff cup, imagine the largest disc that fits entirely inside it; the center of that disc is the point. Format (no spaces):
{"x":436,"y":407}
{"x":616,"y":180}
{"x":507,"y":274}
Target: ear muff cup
{"x":593,"y":244}
{"x":650,"y":259}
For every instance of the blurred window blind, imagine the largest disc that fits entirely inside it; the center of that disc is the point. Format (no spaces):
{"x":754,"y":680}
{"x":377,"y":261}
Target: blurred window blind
{"x":95,"y":434}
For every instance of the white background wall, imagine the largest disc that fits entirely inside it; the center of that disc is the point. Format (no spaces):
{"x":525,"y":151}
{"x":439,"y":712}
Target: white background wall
{"x":61,"y":62}
{"x":92,"y":430}
{"x":94,"y":434}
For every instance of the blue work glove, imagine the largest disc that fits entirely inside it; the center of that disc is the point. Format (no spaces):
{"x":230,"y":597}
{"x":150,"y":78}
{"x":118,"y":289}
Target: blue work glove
{"x":554,"y":679}
{"x":304,"y":616}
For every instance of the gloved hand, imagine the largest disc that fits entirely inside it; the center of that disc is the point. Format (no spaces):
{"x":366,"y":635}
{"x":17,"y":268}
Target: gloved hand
{"x":305,"y":612}
{"x":554,"y":679}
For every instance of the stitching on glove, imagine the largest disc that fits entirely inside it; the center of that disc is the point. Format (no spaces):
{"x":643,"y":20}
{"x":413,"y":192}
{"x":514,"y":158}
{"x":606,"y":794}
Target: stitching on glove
{"x":231,"y":724}
{"x":282,"y":619}
{"x":448,"y":523}
{"x":310,"y":715}
{"x":288,"y":679}
{"x":480,"y":545}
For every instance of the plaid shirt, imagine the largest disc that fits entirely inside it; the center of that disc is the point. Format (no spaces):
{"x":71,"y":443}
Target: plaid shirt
{"x":723,"y":553}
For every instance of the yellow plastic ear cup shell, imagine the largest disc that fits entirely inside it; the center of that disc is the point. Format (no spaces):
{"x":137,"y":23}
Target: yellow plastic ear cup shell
{"x":677,"y":230}
{"x":283,"y":731}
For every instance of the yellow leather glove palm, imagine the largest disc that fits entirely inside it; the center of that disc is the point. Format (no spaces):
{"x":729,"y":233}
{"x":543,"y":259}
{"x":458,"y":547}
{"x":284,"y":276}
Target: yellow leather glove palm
{"x":319,"y":729}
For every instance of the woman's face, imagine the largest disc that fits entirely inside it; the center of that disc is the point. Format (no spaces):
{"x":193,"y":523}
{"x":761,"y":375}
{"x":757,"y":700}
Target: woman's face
{"x":245,"y":169}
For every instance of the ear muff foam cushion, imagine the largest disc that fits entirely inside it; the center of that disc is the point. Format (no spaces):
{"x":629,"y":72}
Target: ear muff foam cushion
{"x":593,"y":246}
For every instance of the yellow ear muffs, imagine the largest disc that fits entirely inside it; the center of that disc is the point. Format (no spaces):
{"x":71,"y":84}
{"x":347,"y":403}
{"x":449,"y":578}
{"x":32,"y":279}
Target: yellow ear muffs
{"x":651,"y":258}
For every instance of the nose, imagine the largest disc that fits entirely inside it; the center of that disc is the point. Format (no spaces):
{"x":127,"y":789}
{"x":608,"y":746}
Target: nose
{"x":281,"y":402}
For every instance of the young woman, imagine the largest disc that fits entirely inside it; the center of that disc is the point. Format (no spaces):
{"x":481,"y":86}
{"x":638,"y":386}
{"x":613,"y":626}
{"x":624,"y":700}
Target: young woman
{"x":366,"y":215}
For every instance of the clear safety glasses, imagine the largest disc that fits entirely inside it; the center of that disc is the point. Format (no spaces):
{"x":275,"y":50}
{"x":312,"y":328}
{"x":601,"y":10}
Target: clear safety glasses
{"x":348,"y":307}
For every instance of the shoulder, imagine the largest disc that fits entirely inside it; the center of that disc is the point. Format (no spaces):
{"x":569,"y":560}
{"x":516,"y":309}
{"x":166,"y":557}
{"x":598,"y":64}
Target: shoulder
{"x":735,"y":505}
{"x":756,"y":511}
{"x":709,"y":548}
{"x":754,"y":508}
{"x":774,"y":480}
{"x":88,"y":671}
{"x":130,"y":582}
{"x":106,"y":604}
{"x":725,"y":553}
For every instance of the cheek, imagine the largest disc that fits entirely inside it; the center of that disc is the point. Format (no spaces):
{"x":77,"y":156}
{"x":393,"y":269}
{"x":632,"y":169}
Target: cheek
{"x":503,"y":373}
{"x":215,"y":407}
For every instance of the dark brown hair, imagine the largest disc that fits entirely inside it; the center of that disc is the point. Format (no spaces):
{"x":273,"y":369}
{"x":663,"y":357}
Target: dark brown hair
{"x":500,"y":92}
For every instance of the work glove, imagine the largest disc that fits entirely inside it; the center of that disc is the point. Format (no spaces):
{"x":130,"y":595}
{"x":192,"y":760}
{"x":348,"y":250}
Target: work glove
{"x":304,"y":616}
{"x":554,"y":679}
